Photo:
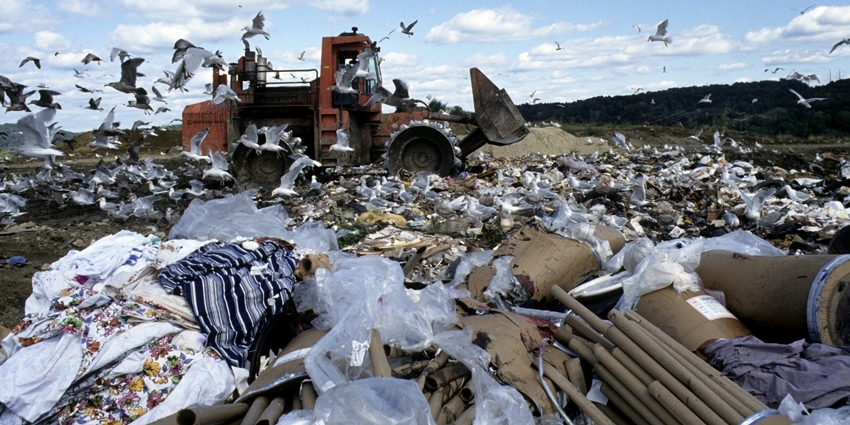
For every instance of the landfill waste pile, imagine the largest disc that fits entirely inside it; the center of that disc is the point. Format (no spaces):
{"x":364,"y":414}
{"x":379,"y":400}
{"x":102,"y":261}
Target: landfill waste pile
{"x":636,"y":285}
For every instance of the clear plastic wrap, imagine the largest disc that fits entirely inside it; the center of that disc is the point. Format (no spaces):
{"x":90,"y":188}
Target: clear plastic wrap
{"x":471,"y":261}
{"x":494,"y":403}
{"x":229,"y":218}
{"x":379,"y":401}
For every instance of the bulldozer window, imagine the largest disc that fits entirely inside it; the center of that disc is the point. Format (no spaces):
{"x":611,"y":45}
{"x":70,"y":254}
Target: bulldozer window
{"x":346,"y":59}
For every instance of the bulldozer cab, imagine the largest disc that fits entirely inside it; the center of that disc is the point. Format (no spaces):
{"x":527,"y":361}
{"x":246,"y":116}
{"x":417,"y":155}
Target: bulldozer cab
{"x":346,"y":59}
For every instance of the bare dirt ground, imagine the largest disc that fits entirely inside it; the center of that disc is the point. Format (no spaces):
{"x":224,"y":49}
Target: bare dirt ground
{"x":48,"y":230}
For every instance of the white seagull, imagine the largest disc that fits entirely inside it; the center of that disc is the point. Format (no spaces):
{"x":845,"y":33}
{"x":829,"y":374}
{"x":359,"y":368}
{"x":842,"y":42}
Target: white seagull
{"x":844,"y":41}
{"x":661,"y":34}
{"x":706,"y":99}
{"x":341,"y":144}
{"x":256,"y":27}
{"x":195,"y":147}
{"x":407,"y":29}
{"x":804,"y":101}
{"x":224,"y":92}
{"x":218,"y":169}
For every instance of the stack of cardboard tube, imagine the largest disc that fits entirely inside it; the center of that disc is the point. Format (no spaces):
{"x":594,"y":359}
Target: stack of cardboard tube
{"x":651,"y":378}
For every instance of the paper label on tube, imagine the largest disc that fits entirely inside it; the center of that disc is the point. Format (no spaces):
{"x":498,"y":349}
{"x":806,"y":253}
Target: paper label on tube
{"x":710,"y":307}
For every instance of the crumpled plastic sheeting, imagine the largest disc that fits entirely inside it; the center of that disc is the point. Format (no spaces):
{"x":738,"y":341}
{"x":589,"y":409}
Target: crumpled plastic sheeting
{"x":674,"y":262}
{"x":801,"y":416}
{"x":229,"y":218}
{"x":379,"y":401}
{"x":466,"y":264}
{"x":360,"y":294}
{"x":818,"y":375}
{"x":494,"y":403}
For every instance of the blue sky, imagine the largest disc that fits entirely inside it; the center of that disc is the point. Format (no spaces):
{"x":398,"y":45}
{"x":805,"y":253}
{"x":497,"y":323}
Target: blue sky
{"x":719,"y":42}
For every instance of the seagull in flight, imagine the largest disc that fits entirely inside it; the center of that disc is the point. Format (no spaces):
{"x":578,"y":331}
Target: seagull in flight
{"x":620,"y":141}
{"x":696,"y":136}
{"x":127,"y":84}
{"x":407,"y":29}
{"x":218,"y":169}
{"x":35,"y":61}
{"x":706,"y":99}
{"x":637,"y":27}
{"x":194,"y":151}
{"x":287,"y":181}
{"x":774,"y":71}
{"x":94,"y":104}
{"x":804,"y":101}
{"x":121,"y":53}
{"x":224,"y":92}
{"x":341,"y":144}
{"x":301,"y":58}
{"x":804,"y":10}
{"x":844,"y":41}
{"x":256,"y":27}
{"x":661,"y":34}
{"x":558,"y":46}
{"x":91,"y":57}
{"x":80,"y":74}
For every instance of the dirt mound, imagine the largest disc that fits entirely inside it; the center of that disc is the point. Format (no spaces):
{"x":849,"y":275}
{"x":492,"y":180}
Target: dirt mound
{"x":546,"y":141}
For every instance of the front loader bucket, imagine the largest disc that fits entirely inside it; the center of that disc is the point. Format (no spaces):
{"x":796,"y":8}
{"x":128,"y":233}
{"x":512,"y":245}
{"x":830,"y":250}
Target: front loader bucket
{"x":497,"y":116}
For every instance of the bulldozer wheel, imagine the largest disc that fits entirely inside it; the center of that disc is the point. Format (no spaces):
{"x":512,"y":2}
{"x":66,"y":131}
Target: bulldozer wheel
{"x":421,"y":148}
{"x":264,"y":168}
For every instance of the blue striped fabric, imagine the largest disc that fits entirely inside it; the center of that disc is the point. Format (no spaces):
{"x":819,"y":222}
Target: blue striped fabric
{"x":231,"y":290}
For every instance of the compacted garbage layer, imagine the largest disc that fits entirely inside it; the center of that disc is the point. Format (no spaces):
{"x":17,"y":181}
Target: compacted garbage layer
{"x":47,"y":230}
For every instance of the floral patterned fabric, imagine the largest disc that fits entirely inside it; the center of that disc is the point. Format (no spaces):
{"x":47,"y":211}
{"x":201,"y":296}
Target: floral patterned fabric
{"x":124,"y":398}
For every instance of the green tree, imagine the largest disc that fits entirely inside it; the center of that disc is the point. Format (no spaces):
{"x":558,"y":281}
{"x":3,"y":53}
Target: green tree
{"x":435,"y":105}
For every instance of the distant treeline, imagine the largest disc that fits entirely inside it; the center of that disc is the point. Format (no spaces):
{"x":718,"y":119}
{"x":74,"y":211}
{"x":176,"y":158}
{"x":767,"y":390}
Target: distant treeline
{"x":775,"y":110}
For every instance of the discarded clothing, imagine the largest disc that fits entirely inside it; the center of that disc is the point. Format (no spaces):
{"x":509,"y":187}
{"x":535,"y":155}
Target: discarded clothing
{"x":817,"y":375}
{"x":231,"y":289}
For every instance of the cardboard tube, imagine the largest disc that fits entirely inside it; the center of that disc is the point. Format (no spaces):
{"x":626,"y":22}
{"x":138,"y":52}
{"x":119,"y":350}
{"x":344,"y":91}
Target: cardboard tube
{"x":308,"y":395}
{"x":631,"y":365}
{"x":634,"y":385}
{"x":716,"y":388}
{"x":784,"y":298}
{"x":467,"y":393}
{"x":707,"y":405}
{"x":624,"y":407}
{"x":257,"y":406}
{"x":586,"y":331}
{"x":767,"y":417}
{"x":272,"y":413}
{"x":595,"y":322}
{"x":583,"y":351}
{"x":615,"y":386}
{"x":612,"y":414}
{"x":439,"y":360}
{"x":445,"y":375}
{"x":575,"y":373}
{"x":380,"y":365}
{"x":467,"y":417}
{"x":676,"y":407}
{"x":451,"y":410}
{"x":748,"y":399}
{"x":211,"y":414}
{"x":576,"y":397}
{"x":442,"y":395}
{"x":295,"y":402}
{"x":407,"y":369}
{"x":167,"y":420}
{"x":690,"y":317}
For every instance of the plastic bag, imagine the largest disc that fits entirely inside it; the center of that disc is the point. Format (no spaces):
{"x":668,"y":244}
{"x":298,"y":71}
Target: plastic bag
{"x":826,"y":416}
{"x":471,"y":261}
{"x":229,"y":218}
{"x":379,"y":401}
{"x":502,"y":281}
{"x":342,"y":354}
{"x":296,"y":417}
{"x":636,"y":251}
{"x":494,"y":403}
{"x":313,"y":237}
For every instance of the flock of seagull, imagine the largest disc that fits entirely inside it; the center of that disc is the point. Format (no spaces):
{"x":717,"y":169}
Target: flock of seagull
{"x":116,"y":188}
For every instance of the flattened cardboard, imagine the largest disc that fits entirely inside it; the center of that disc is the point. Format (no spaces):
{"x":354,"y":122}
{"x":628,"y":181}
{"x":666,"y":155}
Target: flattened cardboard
{"x":544,"y":259}
{"x":508,"y":338}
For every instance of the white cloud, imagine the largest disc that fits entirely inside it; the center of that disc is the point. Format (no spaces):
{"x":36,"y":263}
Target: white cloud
{"x":159,"y":36}
{"x":49,"y":40}
{"x":794,"y":57}
{"x":22,"y":16}
{"x":502,"y":24}
{"x":481,"y":60}
{"x":80,"y":7}
{"x":731,"y":66}
{"x":821,"y":24}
